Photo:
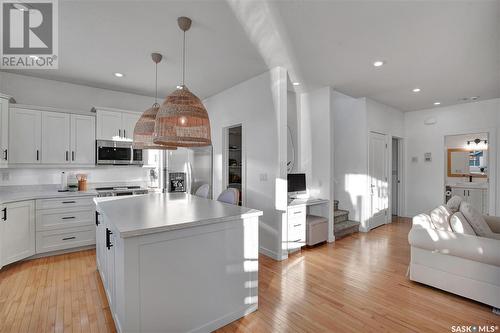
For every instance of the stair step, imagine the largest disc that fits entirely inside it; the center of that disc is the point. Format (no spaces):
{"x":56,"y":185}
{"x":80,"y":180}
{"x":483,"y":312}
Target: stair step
{"x":345,"y":228}
{"x":340,"y":216}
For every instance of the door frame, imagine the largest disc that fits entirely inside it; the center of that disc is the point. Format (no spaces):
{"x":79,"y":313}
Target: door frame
{"x":225,"y":157}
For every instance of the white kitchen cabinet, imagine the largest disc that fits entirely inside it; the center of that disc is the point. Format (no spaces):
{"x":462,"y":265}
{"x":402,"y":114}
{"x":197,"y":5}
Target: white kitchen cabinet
{"x":115,"y":124}
{"x":128,"y":123}
{"x":105,"y":257}
{"x":109,"y":125}
{"x":82,"y":129}
{"x":55,"y":138}
{"x":4,"y":130}
{"x":296,"y":237}
{"x":25,"y":135}
{"x":3,"y":219}
{"x":18,"y":240}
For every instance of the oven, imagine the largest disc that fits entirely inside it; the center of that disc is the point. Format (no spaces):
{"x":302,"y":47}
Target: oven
{"x":110,"y":152}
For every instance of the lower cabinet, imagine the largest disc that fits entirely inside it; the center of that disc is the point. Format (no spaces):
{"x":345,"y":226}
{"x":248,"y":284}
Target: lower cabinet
{"x":105,"y":257}
{"x":18,"y":234}
{"x":477,"y":197}
{"x":296,"y":236}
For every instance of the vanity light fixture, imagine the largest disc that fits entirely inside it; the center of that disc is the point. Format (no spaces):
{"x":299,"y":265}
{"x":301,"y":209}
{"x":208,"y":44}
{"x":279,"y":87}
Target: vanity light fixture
{"x":477,"y":141}
{"x":182,"y":120}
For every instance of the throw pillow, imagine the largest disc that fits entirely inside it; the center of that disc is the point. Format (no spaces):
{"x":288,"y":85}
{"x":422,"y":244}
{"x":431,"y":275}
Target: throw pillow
{"x":475,"y":219}
{"x":460,"y":225}
{"x":440,"y":217}
{"x":454,"y":203}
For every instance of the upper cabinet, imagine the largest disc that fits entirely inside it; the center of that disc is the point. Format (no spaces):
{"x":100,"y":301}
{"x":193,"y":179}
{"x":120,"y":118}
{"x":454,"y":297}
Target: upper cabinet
{"x":4,"y":129}
{"x":50,"y":137}
{"x":116,"y":124}
{"x":25,"y":136}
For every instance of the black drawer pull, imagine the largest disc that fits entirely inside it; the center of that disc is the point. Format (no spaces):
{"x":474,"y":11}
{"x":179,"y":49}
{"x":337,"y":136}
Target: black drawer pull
{"x":68,"y":217}
{"x":108,"y":238}
{"x":297,"y":212}
{"x":296,"y":241}
{"x":297,"y":225}
{"x":5,"y":155}
{"x":97,"y":218}
{"x":66,"y":202}
{"x":69,"y":238}
{"x":4,"y":214}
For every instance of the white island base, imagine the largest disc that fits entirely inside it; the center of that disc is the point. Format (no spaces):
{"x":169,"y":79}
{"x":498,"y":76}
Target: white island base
{"x":177,"y":263}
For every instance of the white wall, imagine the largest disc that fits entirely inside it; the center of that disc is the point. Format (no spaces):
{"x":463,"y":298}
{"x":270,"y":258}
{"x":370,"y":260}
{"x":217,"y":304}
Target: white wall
{"x":425,"y":180}
{"x":292,"y":123}
{"x":316,"y":146}
{"x":35,"y":91}
{"x":41,"y":92}
{"x":259,"y":104}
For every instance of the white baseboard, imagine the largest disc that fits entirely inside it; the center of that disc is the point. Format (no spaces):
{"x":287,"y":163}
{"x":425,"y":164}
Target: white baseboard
{"x":271,"y":254}
{"x":59,"y":252}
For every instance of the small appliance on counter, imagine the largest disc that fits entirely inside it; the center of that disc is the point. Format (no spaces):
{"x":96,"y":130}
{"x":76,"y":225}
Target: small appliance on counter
{"x":177,"y":182}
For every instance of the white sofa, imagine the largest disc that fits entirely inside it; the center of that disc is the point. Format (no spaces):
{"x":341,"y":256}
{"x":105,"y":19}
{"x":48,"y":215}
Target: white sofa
{"x":464,"y":264}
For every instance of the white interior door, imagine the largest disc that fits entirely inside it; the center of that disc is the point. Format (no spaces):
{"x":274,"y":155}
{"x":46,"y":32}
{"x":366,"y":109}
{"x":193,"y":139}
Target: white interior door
{"x":55,"y":138}
{"x":377,"y":169}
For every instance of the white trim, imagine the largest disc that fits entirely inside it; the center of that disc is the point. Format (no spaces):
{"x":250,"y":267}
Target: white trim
{"x":272,"y":254}
{"x":59,"y":252}
{"x":94,"y":109}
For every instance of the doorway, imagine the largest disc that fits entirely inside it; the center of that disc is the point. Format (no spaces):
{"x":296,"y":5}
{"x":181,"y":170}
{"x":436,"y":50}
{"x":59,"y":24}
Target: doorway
{"x":396,"y":176}
{"x":234,"y":164}
{"x":378,"y":179}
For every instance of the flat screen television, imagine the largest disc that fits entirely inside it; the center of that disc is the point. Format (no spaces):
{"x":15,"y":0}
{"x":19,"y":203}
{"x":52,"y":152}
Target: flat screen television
{"x":297,"y":183}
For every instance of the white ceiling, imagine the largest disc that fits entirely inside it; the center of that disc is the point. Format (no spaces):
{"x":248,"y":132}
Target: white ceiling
{"x":449,"y":49}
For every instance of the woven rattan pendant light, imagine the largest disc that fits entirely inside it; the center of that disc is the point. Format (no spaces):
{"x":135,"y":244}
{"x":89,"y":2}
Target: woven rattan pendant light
{"x":182,"y":120}
{"x":145,"y":126}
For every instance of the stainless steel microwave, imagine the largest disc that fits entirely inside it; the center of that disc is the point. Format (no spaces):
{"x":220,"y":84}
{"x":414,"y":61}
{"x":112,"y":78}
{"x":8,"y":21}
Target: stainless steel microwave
{"x":110,"y":152}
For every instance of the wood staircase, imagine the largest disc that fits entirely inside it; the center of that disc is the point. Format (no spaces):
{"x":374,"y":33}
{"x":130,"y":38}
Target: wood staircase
{"x":342,"y":225}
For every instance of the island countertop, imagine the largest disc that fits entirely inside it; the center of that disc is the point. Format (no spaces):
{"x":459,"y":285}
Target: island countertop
{"x":158,"y":212}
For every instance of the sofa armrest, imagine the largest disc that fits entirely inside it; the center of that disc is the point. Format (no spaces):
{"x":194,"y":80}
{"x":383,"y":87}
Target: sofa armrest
{"x":493,"y":222}
{"x":481,"y":249}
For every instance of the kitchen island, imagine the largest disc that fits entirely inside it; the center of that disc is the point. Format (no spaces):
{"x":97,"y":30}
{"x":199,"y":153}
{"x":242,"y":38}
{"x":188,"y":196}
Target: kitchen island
{"x":176,"y":262}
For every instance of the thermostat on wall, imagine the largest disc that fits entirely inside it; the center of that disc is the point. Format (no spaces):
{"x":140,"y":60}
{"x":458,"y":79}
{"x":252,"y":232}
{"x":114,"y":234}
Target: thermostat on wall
{"x":427,"y":157}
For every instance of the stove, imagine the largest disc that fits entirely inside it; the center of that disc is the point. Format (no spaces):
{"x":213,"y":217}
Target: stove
{"x":120,"y":191}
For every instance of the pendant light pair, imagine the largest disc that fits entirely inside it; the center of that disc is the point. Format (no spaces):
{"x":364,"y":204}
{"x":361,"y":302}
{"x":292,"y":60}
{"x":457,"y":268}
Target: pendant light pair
{"x":181,"y":120}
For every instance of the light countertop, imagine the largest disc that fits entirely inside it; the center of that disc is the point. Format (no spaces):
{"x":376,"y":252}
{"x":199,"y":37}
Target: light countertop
{"x":157,"y":212}
{"x":20,"y":193}
{"x":470,"y":185}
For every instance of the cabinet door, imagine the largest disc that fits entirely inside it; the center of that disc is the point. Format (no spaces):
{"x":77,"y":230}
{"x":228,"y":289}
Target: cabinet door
{"x":3,"y":219}
{"x":55,"y":138}
{"x":110,"y":270}
{"x":4,"y":131}
{"x":129,"y":120}
{"x":25,"y":136}
{"x":109,"y":125}
{"x":82,"y":139}
{"x":19,"y":231}
{"x":475,"y":198}
{"x":459,"y":191}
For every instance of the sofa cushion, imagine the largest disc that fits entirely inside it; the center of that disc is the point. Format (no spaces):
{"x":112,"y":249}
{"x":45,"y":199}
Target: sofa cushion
{"x":440,"y":217}
{"x":460,"y":225}
{"x":454,"y":203}
{"x":475,"y":219}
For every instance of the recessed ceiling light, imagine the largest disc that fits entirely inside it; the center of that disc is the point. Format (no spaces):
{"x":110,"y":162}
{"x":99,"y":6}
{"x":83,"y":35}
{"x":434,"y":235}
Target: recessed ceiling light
{"x":378,"y":63}
{"x":416,"y":90}
{"x":118,"y":74}
{"x":296,"y":83}
{"x":437,"y":103}
{"x":474,"y":98}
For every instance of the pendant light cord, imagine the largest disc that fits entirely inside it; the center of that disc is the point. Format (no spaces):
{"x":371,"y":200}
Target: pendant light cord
{"x":183,"y":57}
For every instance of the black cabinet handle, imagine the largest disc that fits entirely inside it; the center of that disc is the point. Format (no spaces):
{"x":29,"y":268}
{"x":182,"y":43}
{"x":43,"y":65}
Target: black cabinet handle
{"x":68,"y":202}
{"x":120,"y":133}
{"x":37,"y":155}
{"x":4,"y":214}
{"x":68,"y":238}
{"x":68,"y":217}
{"x":73,"y":155}
{"x":297,"y":225}
{"x":97,"y":218}
{"x":124,"y":135}
{"x":108,"y":239}
{"x":5,"y":155}
{"x":67,"y":155}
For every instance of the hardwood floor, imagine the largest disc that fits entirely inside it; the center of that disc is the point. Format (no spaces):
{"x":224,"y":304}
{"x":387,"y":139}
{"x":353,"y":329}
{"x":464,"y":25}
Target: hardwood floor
{"x":357,"y":284}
